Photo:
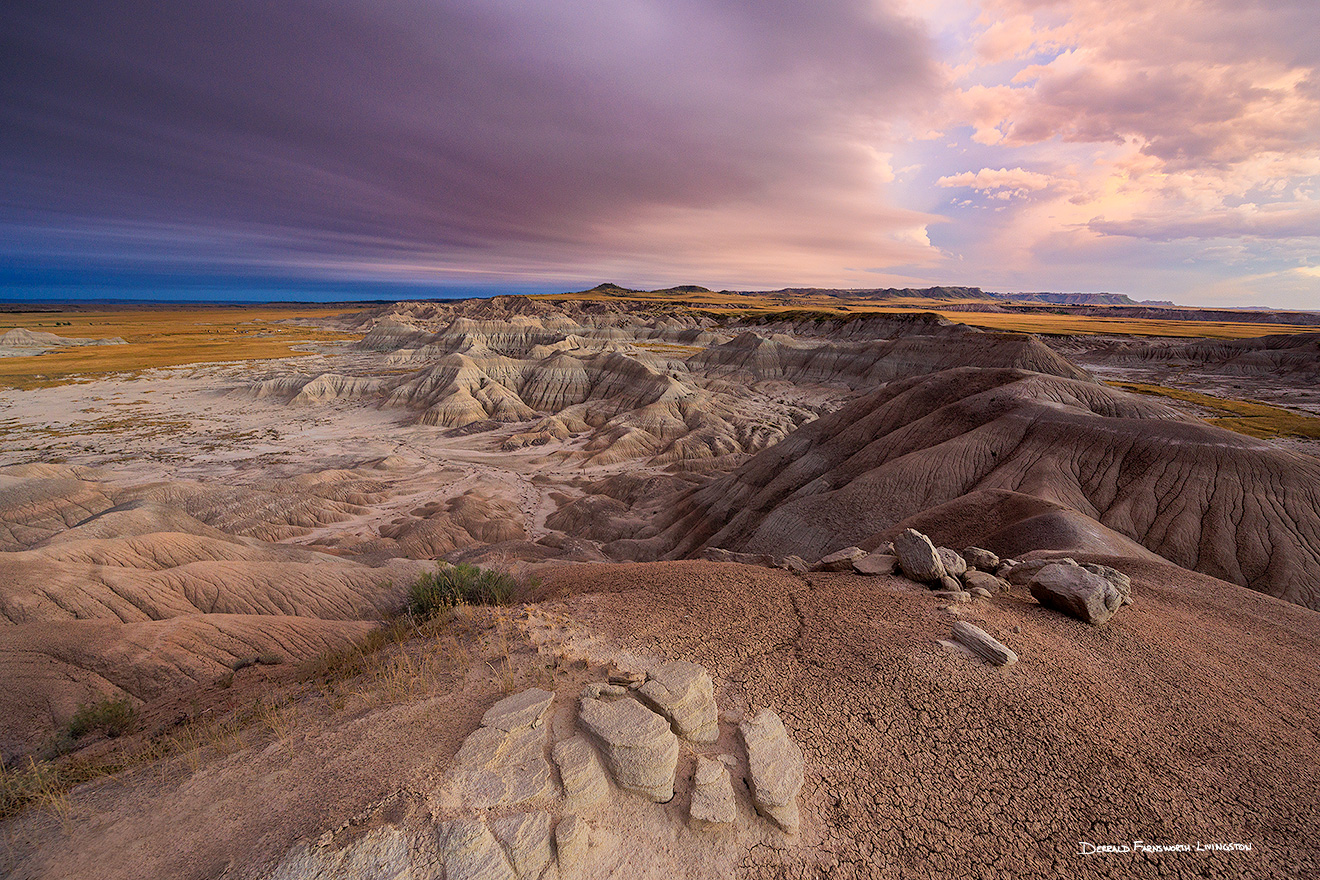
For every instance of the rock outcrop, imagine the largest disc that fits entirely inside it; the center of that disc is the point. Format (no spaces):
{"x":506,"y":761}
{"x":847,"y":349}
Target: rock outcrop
{"x":638,"y":745}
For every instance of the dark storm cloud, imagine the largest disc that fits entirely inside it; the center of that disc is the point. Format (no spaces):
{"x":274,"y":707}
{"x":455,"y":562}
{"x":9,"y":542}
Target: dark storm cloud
{"x":280,"y":133}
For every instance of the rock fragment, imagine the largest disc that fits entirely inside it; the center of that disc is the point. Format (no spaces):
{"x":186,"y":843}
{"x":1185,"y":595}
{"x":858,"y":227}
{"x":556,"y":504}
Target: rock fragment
{"x":684,"y":693}
{"x":498,"y":767}
{"x":712,"y":794}
{"x":917,"y":557}
{"x":1077,"y":592}
{"x":982,"y":643}
{"x":776,"y":766}
{"x":1023,"y":572}
{"x":950,"y":584}
{"x":979,"y":592}
{"x":974,"y":579}
{"x":795,"y":563}
{"x":840,"y":560}
{"x":520,"y":710}
{"x":639,"y":747}
{"x":1121,"y":582}
{"x":570,"y":843}
{"x":875,"y":564}
{"x":981,"y":559}
{"x":585,"y":784}
{"x":954,"y":565}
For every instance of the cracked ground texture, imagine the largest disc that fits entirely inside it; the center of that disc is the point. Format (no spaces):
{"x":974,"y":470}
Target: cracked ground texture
{"x":1191,"y":717}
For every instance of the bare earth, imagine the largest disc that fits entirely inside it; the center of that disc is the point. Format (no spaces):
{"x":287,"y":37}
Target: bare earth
{"x":162,"y":530}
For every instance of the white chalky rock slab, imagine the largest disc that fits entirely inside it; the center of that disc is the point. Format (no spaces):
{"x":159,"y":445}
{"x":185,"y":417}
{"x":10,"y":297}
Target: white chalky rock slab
{"x":639,"y":747}
{"x":684,"y":693}
{"x":712,"y":794}
{"x":776,"y":765}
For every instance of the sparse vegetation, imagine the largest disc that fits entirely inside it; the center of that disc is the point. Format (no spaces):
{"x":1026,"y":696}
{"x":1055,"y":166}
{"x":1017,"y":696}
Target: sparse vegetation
{"x":259,"y":660}
{"x":111,"y":717}
{"x":460,"y":584}
{"x":1243,"y":416}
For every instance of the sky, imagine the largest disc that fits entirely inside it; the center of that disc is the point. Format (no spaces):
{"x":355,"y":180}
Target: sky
{"x":1167,"y":150}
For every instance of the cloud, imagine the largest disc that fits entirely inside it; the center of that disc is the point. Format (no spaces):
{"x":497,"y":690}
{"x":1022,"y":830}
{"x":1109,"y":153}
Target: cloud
{"x":457,"y":132}
{"x":1004,"y":183}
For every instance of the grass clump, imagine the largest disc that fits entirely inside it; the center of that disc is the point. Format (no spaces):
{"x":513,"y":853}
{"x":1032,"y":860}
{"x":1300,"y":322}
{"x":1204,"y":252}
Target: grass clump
{"x":111,"y":717}
{"x":258,"y":660}
{"x":461,"y":584}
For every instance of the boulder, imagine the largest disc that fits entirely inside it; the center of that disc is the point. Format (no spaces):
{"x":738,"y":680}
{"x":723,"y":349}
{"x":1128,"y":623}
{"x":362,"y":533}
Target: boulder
{"x":684,"y":693}
{"x":980,"y":559}
{"x":776,"y":766}
{"x":1077,"y":592}
{"x":917,"y":557}
{"x":949,"y":584}
{"x":583,"y":775}
{"x":840,"y":560}
{"x":712,"y":794}
{"x":1022,"y":573}
{"x":979,"y":592}
{"x":638,"y":745}
{"x":1121,"y":582}
{"x":954,"y":565}
{"x":974,"y":579}
{"x":982,"y":643}
{"x":875,"y":564}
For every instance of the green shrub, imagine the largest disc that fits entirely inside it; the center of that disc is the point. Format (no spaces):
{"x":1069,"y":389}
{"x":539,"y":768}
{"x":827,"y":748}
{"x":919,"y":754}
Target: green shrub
{"x":111,"y":717}
{"x":459,"y":584}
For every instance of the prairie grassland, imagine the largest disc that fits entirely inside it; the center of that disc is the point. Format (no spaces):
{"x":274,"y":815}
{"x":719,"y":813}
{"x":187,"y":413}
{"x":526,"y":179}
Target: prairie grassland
{"x":159,"y":337}
{"x":1248,"y":417}
{"x":732,"y":304}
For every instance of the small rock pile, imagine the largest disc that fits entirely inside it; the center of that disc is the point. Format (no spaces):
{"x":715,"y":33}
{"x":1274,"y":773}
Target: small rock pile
{"x":1087,"y":591}
{"x":500,"y":813}
{"x":959,"y":577}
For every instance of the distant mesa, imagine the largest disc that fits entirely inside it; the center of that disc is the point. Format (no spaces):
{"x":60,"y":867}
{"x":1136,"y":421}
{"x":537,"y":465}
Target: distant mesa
{"x":21,"y":342}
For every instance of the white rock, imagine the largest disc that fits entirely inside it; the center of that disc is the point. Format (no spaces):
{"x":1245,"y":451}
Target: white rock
{"x":776,"y":766}
{"x":639,"y":747}
{"x":712,"y":794}
{"x":684,"y":693}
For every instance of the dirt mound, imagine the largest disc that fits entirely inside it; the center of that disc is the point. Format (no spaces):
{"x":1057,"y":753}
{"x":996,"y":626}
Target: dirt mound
{"x":1207,"y":499}
{"x":102,"y":598}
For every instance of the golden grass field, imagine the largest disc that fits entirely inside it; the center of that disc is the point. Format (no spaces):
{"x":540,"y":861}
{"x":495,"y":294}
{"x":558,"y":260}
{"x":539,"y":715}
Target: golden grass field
{"x":1058,"y":324}
{"x":159,"y":337}
{"x":1243,"y":416}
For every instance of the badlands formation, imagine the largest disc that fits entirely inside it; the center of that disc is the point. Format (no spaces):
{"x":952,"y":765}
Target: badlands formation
{"x":801,"y":594}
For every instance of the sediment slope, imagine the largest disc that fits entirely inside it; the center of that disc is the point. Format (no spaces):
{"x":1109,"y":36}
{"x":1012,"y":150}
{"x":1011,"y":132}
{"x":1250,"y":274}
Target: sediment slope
{"x":1207,"y":499}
